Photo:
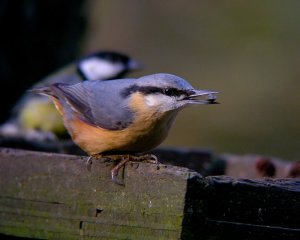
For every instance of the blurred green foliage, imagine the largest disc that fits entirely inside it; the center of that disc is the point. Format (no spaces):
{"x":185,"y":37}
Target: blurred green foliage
{"x":247,"y":50}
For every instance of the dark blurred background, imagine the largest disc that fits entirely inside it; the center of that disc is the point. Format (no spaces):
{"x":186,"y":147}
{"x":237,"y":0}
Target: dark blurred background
{"x":249,"y":51}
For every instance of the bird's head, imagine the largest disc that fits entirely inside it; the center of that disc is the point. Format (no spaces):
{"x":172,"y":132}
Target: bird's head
{"x":106,"y":65}
{"x":167,"y":92}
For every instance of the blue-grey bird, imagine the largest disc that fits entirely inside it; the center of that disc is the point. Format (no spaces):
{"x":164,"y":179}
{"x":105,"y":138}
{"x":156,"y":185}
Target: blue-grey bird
{"x":123,"y":116}
{"x":34,"y":116}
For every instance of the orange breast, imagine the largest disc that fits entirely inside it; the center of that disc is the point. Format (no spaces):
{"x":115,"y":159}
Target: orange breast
{"x":148,"y":130}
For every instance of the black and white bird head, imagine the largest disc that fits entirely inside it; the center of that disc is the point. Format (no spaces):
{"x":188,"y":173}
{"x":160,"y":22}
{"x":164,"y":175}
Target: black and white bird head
{"x":106,"y":65}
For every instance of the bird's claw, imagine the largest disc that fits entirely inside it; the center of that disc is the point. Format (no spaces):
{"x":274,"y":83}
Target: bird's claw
{"x":148,"y":158}
{"x":89,"y":163}
{"x":116,"y":169}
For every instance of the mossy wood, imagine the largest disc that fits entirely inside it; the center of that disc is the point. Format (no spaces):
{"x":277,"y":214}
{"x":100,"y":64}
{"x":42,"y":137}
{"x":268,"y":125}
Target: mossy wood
{"x":46,"y":196}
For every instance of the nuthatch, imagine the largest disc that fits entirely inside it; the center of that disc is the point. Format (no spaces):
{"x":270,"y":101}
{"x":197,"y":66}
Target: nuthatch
{"x":125,"y":116}
{"x":35,"y":116}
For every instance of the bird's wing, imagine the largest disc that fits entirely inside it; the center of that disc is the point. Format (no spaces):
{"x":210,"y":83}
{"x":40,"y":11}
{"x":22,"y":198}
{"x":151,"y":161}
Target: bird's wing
{"x":97,"y":104}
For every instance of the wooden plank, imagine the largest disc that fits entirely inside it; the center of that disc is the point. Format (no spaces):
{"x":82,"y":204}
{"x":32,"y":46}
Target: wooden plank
{"x":46,"y":195}
{"x":227,"y":208}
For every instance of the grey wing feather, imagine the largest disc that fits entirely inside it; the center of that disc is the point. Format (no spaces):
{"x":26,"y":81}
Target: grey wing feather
{"x":98,"y":105}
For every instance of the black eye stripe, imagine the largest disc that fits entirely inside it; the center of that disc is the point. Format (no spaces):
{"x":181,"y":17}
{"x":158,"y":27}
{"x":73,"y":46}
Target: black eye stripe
{"x":174,"y":92}
{"x":169,"y":91}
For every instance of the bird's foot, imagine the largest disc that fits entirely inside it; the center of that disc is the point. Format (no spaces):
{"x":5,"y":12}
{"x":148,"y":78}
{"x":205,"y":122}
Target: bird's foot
{"x":116,"y":169}
{"x":147,"y":158}
{"x":122,"y":160}
{"x":89,"y":161}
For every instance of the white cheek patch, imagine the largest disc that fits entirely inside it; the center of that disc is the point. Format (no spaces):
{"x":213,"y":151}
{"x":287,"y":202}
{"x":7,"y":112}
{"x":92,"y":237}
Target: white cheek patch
{"x":152,"y":100}
{"x":160,"y":102}
{"x":95,"y":68}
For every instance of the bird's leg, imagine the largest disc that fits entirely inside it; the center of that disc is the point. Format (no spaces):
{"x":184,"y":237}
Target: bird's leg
{"x":123,"y":159}
{"x":150,"y":158}
{"x":147,"y":158}
{"x":89,"y":160}
{"x":115,"y":170}
{"x":88,"y":163}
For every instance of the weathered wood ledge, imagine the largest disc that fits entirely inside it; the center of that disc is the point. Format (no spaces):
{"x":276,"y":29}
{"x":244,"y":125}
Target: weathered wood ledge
{"x":49,"y":195}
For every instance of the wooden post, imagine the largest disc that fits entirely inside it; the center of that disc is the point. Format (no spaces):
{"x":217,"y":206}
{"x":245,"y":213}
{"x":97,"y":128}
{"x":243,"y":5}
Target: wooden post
{"x":54,"y":196}
{"x":45,"y":195}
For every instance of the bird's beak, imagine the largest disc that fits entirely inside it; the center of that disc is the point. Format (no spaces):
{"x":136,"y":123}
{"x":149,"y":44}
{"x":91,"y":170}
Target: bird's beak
{"x":135,"y":65}
{"x":202,"y":97}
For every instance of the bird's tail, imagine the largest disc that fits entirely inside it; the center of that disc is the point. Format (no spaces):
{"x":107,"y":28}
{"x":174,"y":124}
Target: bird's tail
{"x":42,"y":90}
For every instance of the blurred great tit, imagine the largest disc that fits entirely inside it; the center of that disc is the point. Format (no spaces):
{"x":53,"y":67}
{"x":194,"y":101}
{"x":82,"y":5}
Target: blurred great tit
{"x":35,"y":117}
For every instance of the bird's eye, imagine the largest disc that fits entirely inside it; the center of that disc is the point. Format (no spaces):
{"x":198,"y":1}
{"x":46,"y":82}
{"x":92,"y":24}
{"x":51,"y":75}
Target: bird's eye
{"x":169,"y":91}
